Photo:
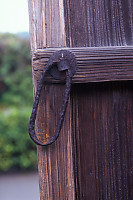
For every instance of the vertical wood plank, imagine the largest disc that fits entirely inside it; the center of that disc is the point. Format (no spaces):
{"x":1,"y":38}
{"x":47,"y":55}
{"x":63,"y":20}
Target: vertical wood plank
{"x":47,"y":26}
{"x":99,"y":122}
{"x":104,"y":138}
{"x":55,"y":163}
{"x":99,"y":23}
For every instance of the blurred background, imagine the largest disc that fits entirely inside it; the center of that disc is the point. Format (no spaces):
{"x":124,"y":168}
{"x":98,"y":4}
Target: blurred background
{"x":18,"y":160}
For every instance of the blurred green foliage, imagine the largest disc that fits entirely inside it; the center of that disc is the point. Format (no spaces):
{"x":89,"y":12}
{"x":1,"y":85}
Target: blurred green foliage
{"x":17,"y":151}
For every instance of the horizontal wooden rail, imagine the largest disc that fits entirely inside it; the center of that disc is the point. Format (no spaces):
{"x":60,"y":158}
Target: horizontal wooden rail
{"x":94,"y":64}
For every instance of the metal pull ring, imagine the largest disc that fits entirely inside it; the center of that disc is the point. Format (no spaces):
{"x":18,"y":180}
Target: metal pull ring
{"x":62,"y":60}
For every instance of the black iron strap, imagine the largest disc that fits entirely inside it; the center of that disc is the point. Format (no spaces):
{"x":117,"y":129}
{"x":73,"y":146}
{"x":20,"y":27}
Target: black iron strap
{"x":62,"y":60}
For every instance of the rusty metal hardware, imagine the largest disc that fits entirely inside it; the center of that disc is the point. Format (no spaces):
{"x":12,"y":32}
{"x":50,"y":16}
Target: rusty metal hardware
{"x":60,"y":61}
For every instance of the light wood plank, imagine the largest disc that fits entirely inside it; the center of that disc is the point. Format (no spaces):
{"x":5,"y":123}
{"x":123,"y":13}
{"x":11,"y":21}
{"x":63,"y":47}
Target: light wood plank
{"x":55,"y":162}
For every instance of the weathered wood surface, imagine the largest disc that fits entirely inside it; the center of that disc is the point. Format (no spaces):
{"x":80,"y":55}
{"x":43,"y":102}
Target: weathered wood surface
{"x":98,"y":140}
{"x":102,"y":114}
{"x":55,"y":162}
{"x":47,"y":24}
{"x":96,"y":64}
{"x":61,"y":23}
{"x":103,"y":139}
{"x":95,"y":23}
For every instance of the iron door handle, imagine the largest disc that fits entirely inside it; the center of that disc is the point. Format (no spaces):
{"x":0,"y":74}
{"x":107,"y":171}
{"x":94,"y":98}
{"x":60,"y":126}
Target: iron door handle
{"x":59,"y":61}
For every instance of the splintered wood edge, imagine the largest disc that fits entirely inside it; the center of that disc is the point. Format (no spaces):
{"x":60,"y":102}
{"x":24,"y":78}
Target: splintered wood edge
{"x":94,"y":64}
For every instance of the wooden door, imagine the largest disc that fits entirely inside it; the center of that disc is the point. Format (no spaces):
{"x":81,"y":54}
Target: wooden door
{"x":93,"y":157}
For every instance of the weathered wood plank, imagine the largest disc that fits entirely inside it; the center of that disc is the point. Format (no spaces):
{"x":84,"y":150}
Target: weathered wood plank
{"x":94,"y":64}
{"x":47,"y":25}
{"x":98,"y":23}
{"x":55,"y":162}
{"x":100,"y":122}
{"x":103,"y":126}
{"x":103,"y":169}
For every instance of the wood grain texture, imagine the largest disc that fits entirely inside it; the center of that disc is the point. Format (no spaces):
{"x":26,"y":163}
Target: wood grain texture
{"x":98,"y":23}
{"x":47,"y":26}
{"x":94,"y":64}
{"x":98,"y":139}
{"x":103,"y":168}
{"x":103,"y":139}
{"x":55,"y":162}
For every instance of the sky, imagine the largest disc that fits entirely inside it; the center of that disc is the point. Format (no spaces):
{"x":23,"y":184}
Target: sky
{"x":14,"y":16}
